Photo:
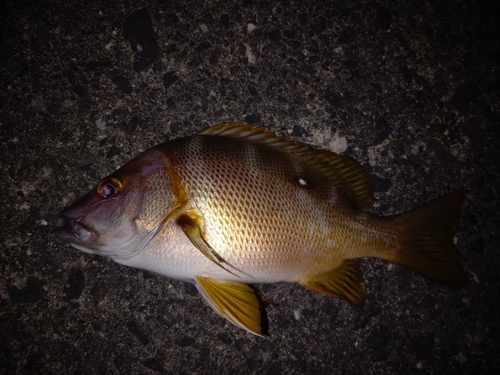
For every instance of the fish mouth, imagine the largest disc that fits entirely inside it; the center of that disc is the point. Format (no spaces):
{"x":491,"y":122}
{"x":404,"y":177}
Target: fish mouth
{"x":71,"y":230}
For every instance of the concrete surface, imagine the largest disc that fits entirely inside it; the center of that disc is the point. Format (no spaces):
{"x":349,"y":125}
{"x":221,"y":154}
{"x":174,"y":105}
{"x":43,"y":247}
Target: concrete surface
{"x":409,"y":88}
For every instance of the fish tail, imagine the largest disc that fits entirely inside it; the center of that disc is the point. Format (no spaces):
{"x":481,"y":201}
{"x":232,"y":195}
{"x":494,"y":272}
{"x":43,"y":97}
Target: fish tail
{"x":427,"y":246}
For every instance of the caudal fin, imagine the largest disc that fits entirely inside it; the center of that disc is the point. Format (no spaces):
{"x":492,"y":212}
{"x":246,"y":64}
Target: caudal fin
{"x":427,"y":242}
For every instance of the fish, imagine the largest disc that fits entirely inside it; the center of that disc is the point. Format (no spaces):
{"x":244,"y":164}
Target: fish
{"x":236,"y":205}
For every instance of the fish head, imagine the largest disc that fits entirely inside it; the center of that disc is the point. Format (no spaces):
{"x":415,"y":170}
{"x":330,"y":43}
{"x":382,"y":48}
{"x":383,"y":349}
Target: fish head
{"x":122,"y":213}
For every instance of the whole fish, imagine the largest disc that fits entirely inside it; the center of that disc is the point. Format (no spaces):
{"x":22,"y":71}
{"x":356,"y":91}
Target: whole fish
{"x":236,"y":205}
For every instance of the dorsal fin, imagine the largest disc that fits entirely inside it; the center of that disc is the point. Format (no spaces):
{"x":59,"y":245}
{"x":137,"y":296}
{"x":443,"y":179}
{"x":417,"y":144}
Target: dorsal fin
{"x":345,"y":173}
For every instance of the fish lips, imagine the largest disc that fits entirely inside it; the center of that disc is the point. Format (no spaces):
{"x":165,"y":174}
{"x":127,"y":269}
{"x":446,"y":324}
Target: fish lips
{"x":72,"y":230}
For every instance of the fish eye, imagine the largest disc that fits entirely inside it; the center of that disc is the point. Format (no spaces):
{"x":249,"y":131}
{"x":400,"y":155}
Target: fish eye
{"x":109,"y":188}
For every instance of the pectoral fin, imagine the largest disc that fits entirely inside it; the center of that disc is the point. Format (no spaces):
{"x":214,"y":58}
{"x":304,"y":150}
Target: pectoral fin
{"x":192,"y":224}
{"x":234,"y":301}
{"x":345,"y":282}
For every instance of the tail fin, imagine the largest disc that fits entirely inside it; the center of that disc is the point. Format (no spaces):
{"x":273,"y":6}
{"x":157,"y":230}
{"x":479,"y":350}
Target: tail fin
{"x":427,"y":242}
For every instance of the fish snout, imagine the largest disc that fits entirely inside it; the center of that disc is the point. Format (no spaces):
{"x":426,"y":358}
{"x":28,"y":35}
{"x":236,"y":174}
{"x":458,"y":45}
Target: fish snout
{"x":71,"y":229}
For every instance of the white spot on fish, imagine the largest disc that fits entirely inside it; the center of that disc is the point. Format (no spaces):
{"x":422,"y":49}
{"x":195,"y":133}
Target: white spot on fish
{"x":302,"y":182}
{"x":139,"y":48}
{"x":250,"y":27}
{"x":43,"y":222}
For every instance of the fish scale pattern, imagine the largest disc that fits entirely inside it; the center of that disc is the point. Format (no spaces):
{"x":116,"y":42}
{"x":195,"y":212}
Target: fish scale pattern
{"x":271,"y":215}
{"x":156,"y":204}
{"x":261,"y":209}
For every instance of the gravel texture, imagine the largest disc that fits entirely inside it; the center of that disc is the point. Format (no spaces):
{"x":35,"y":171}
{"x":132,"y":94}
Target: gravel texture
{"x":409,"y":88}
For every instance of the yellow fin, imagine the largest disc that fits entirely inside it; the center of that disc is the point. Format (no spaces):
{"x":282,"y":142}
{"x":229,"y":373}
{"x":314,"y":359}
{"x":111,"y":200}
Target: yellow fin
{"x":235,"y":302}
{"x":345,"y":173}
{"x":345,"y":282}
{"x":193,"y":226}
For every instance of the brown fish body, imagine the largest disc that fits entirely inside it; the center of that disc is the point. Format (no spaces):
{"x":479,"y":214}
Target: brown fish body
{"x":234,"y":205}
{"x":270,"y":215}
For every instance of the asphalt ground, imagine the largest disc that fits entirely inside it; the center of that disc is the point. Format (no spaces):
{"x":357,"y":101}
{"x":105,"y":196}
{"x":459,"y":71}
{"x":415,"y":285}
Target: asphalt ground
{"x":408,"y":88}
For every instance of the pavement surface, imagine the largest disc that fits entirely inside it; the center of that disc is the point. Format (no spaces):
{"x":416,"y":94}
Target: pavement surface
{"x":408,"y":88}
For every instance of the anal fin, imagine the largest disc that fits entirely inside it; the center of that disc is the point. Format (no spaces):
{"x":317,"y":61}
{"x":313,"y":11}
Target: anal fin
{"x":345,"y":282}
{"x":235,"y":302}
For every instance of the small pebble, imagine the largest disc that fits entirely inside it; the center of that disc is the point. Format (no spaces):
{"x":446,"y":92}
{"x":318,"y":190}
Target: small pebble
{"x":101,"y":124}
{"x":296,"y":314}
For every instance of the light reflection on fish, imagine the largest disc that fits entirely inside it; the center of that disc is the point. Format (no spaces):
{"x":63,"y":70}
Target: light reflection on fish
{"x":236,"y":205}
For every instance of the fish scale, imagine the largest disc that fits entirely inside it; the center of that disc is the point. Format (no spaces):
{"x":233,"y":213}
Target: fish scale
{"x":236,"y":205}
{"x":249,"y":239}
{"x":301,"y":229}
